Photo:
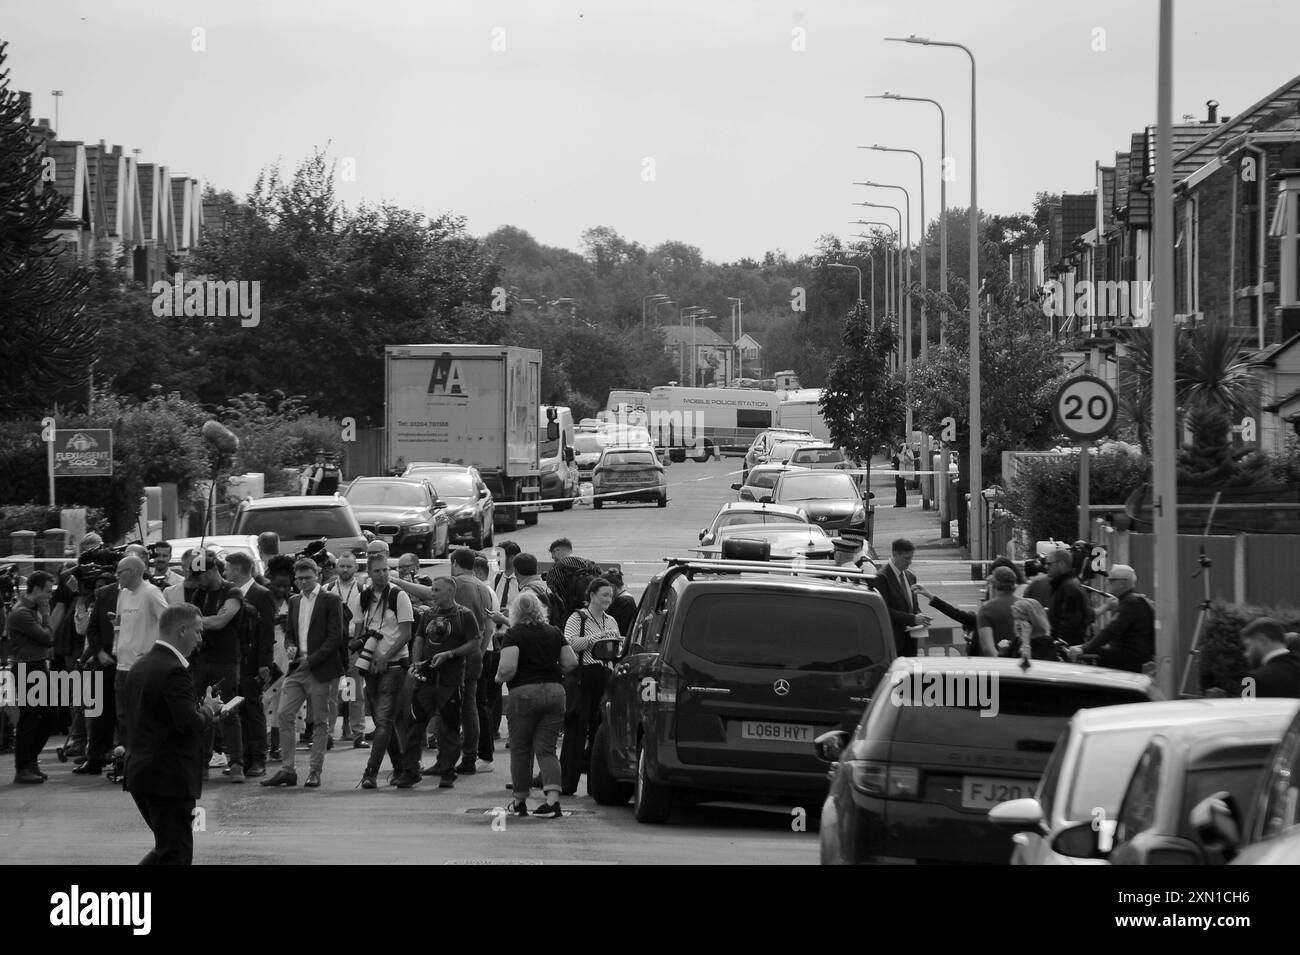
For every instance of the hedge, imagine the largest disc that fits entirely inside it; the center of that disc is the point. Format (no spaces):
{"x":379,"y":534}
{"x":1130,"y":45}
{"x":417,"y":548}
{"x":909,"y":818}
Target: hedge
{"x":1044,"y":497}
{"x":1222,"y":661}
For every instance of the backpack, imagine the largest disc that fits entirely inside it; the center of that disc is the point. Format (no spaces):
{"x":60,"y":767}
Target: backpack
{"x":569,"y":579}
{"x":368,"y":596}
{"x":556,"y":615}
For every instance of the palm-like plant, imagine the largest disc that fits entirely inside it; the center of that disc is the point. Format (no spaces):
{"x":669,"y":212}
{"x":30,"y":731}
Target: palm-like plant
{"x":1212,"y":374}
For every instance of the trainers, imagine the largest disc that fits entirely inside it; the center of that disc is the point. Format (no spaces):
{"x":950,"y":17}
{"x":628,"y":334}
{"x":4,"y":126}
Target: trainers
{"x":407,"y":780}
{"x":485,"y":766}
{"x":368,"y":780}
{"x":360,"y":743}
{"x":217,"y":761}
{"x":273,"y":756}
{"x":255,"y":769}
{"x":236,"y":773}
{"x":550,"y":810}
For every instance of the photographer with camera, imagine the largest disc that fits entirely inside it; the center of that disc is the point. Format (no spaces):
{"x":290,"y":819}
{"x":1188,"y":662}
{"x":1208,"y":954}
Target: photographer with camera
{"x":216,"y":664}
{"x":449,"y":635}
{"x":162,"y":574}
{"x":381,"y":640}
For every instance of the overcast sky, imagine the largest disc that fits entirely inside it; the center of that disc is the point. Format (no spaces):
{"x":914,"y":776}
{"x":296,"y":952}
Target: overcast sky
{"x":752,"y":141}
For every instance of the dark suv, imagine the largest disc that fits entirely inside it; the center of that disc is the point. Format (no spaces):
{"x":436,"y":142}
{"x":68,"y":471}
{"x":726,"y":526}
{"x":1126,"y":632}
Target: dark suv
{"x":730,"y":671}
{"x":916,"y":780}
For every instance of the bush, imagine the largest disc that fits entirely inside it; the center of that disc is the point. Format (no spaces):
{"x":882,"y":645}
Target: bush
{"x":277,"y":435}
{"x":1044,"y":497}
{"x":1223,"y":657}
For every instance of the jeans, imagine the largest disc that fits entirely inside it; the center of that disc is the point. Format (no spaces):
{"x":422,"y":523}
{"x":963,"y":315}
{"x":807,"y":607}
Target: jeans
{"x":489,"y":705}
{"x":469,"y":707}
{"x":535,"y":715}
{"x":384,"y":691}
{"x":301,"y":686}
{"x":427,"y":699}
{"x":224,"y":677}
{"x":580,"y":728}
{"x":35,"y":725}
{"x":354,"y":710}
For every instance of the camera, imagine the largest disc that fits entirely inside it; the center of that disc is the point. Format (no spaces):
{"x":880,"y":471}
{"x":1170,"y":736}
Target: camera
{"x":369,"y":641}
{"x":98,"y":566}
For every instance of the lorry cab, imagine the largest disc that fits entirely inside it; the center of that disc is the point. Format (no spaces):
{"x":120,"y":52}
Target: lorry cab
{"x":559,"y":468}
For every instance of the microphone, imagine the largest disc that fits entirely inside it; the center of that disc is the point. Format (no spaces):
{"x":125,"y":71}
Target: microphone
{"x":220,"y":437}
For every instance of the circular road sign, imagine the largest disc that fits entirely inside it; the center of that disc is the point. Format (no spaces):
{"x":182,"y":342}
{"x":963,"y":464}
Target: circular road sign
{"x":1085,"y":408}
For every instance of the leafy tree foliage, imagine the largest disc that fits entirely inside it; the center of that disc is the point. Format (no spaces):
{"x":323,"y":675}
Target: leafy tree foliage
{"x":863,"y":401}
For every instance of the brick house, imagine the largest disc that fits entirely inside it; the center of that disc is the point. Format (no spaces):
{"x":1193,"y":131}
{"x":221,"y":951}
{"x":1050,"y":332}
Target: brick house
{"x":714,"y":355}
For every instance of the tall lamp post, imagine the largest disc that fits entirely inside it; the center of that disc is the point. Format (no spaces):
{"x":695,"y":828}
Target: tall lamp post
{"x":889,"y":307}
{"x":658,"y":297}
{"x":657,"y":304}
{"x":871,"y":260}
{"x":901,"y":303}
{"x":943,"y":195}
{"x":907,"y":282}
{"x":925,"y":325}
{"x":58,"y":96}
{"x":976,"y":442}
{"x":845,"y":265}
{"x":738,"y":333}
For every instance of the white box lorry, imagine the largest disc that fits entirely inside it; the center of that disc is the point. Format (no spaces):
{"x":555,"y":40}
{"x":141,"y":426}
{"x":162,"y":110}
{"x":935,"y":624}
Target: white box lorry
{"x":474,"y":405}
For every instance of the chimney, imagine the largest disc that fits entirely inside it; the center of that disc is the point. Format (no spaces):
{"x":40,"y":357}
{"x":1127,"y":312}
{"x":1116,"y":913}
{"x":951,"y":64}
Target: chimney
{"x":1213,"y":106}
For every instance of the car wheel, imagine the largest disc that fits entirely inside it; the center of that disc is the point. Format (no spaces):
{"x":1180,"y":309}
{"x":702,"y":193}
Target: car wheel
{"x":597,"y":503}
{"x":662,"y":502}
{"x":601,"y":784}
{"x":707,"y":453}
{"x":652,"y":803}
{"x":530,"y":517}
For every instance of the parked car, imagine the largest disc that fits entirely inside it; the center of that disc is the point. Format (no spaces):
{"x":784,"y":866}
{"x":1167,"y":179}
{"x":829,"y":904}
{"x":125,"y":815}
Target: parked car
{"x":303,"y":519}
{"x":784,"y":541}
{"x":628,"y":474}
{"x":470,"y":508}
{"x":223,"y":544}
{"x":782,"y":451}
{"x":761,"y":447}
{"x":1088,"y":771}
{"x":1267,"y":832}
{"x":725,"y":679}
{"x":825,"y":457}
{"x":760,"y":482}
{"x":915,"y":783}
{"x":405,"y":512}
{"x":587,"y":447}
{"x":831,"y":498}
{"x":1178,"y":768}
{"x":751,"y":512}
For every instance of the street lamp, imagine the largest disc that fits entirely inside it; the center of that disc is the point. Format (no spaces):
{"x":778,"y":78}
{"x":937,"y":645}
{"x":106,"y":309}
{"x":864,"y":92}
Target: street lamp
{"x":58,"y":95}
{"x":943,"y":195}
{"x":737,"y":333}
{"x":871,"y":259}
{"x":660,"y":296}
{"x":889,"y":307}
{"x":976,"y":465}
{"x":657,"y":304}
{"x":899,"y":285}
{"x":843,"y":265}
{"x":925,"y":325}
{"x":907,"y":300}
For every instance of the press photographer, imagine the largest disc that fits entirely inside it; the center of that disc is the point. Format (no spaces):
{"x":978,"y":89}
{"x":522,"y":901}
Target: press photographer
{"x":381,"y":637}
{"x":449,"y":634}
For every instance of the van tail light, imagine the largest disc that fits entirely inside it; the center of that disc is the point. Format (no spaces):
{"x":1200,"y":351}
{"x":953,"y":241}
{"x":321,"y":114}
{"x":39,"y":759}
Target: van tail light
{"x":666,"y":688}
{"x":874,"y":778}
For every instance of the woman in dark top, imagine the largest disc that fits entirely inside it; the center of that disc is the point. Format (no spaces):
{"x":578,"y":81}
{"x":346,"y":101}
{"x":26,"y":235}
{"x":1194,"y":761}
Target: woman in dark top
{"x":623,"y":606}
{"x":534,"y":659}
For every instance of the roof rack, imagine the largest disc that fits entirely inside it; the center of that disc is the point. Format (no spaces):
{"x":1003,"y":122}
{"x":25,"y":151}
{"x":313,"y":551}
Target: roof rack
{"x":765,"y":567}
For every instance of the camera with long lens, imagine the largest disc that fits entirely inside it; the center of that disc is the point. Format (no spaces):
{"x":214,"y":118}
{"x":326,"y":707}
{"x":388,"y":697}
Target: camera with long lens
{"x":316,"y":550}
{"x":368,"y":643}
{"x":95,"y":567}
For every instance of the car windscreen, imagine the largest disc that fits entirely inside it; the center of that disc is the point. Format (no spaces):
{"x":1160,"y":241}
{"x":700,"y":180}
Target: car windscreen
{"x":1030,"y":716}
{"x":780,"y":631}
{"x":588,"y":444}
{"x":300,"y":523}
{"x":1105,"y":764}
{"x":386,"y":495}
{"x":817,"y":456}
{"x":628,"y":457}
{"x":450,"y":483}
{"x":760,"y":517}
{"x":766,"y":480}
{"x":816,"y":486}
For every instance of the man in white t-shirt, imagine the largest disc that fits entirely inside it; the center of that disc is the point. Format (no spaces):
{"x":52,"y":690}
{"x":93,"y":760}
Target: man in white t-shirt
{"x":140,"y":607}
{"x":385,"y":610}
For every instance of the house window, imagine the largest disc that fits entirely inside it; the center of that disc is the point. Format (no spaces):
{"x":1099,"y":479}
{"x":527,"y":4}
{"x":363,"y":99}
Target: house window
{"x":1284,"y":229}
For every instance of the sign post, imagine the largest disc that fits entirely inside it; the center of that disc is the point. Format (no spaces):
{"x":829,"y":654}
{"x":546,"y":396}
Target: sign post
{"x":1085,"y":410}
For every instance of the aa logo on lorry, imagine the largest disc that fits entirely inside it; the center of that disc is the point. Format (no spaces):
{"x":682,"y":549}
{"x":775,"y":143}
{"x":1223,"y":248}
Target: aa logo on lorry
{"x":447,"y":378}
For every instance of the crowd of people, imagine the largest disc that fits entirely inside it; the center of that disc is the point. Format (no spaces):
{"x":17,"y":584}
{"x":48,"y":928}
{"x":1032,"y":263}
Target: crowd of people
{"x":425,"y":658}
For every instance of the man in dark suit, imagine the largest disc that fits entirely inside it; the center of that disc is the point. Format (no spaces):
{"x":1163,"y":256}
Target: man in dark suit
{"x":255,"y":657}
{"x":99,"y":648}
{"x":894,"y":583}
{"x":1276,"y":669}
{"x":315,"y":639}
{"x":164,"y":763}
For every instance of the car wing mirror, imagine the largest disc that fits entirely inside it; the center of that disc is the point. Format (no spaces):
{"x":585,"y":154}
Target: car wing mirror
{"x":765,"y":499}
{"x":746,"y":494}
{"x":1020,"y":814}
{"x":829,"y":746}
{"x":704,"y":532}
{"x":607,"y":650}
{"x":1079,"y":840}
{"x":736,"y":487}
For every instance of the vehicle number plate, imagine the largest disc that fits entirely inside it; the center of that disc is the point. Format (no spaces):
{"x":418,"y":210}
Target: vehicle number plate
{"x":985,"y":792}
{"x":776,"y":732}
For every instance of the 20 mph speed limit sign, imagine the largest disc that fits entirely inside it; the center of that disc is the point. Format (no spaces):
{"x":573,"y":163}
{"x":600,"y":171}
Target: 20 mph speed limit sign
{"x":1085,"y":408}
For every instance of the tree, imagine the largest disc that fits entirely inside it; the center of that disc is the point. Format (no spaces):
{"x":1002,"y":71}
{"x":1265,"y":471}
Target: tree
{"x":863,"y":400}
{"x":49,"y":341}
